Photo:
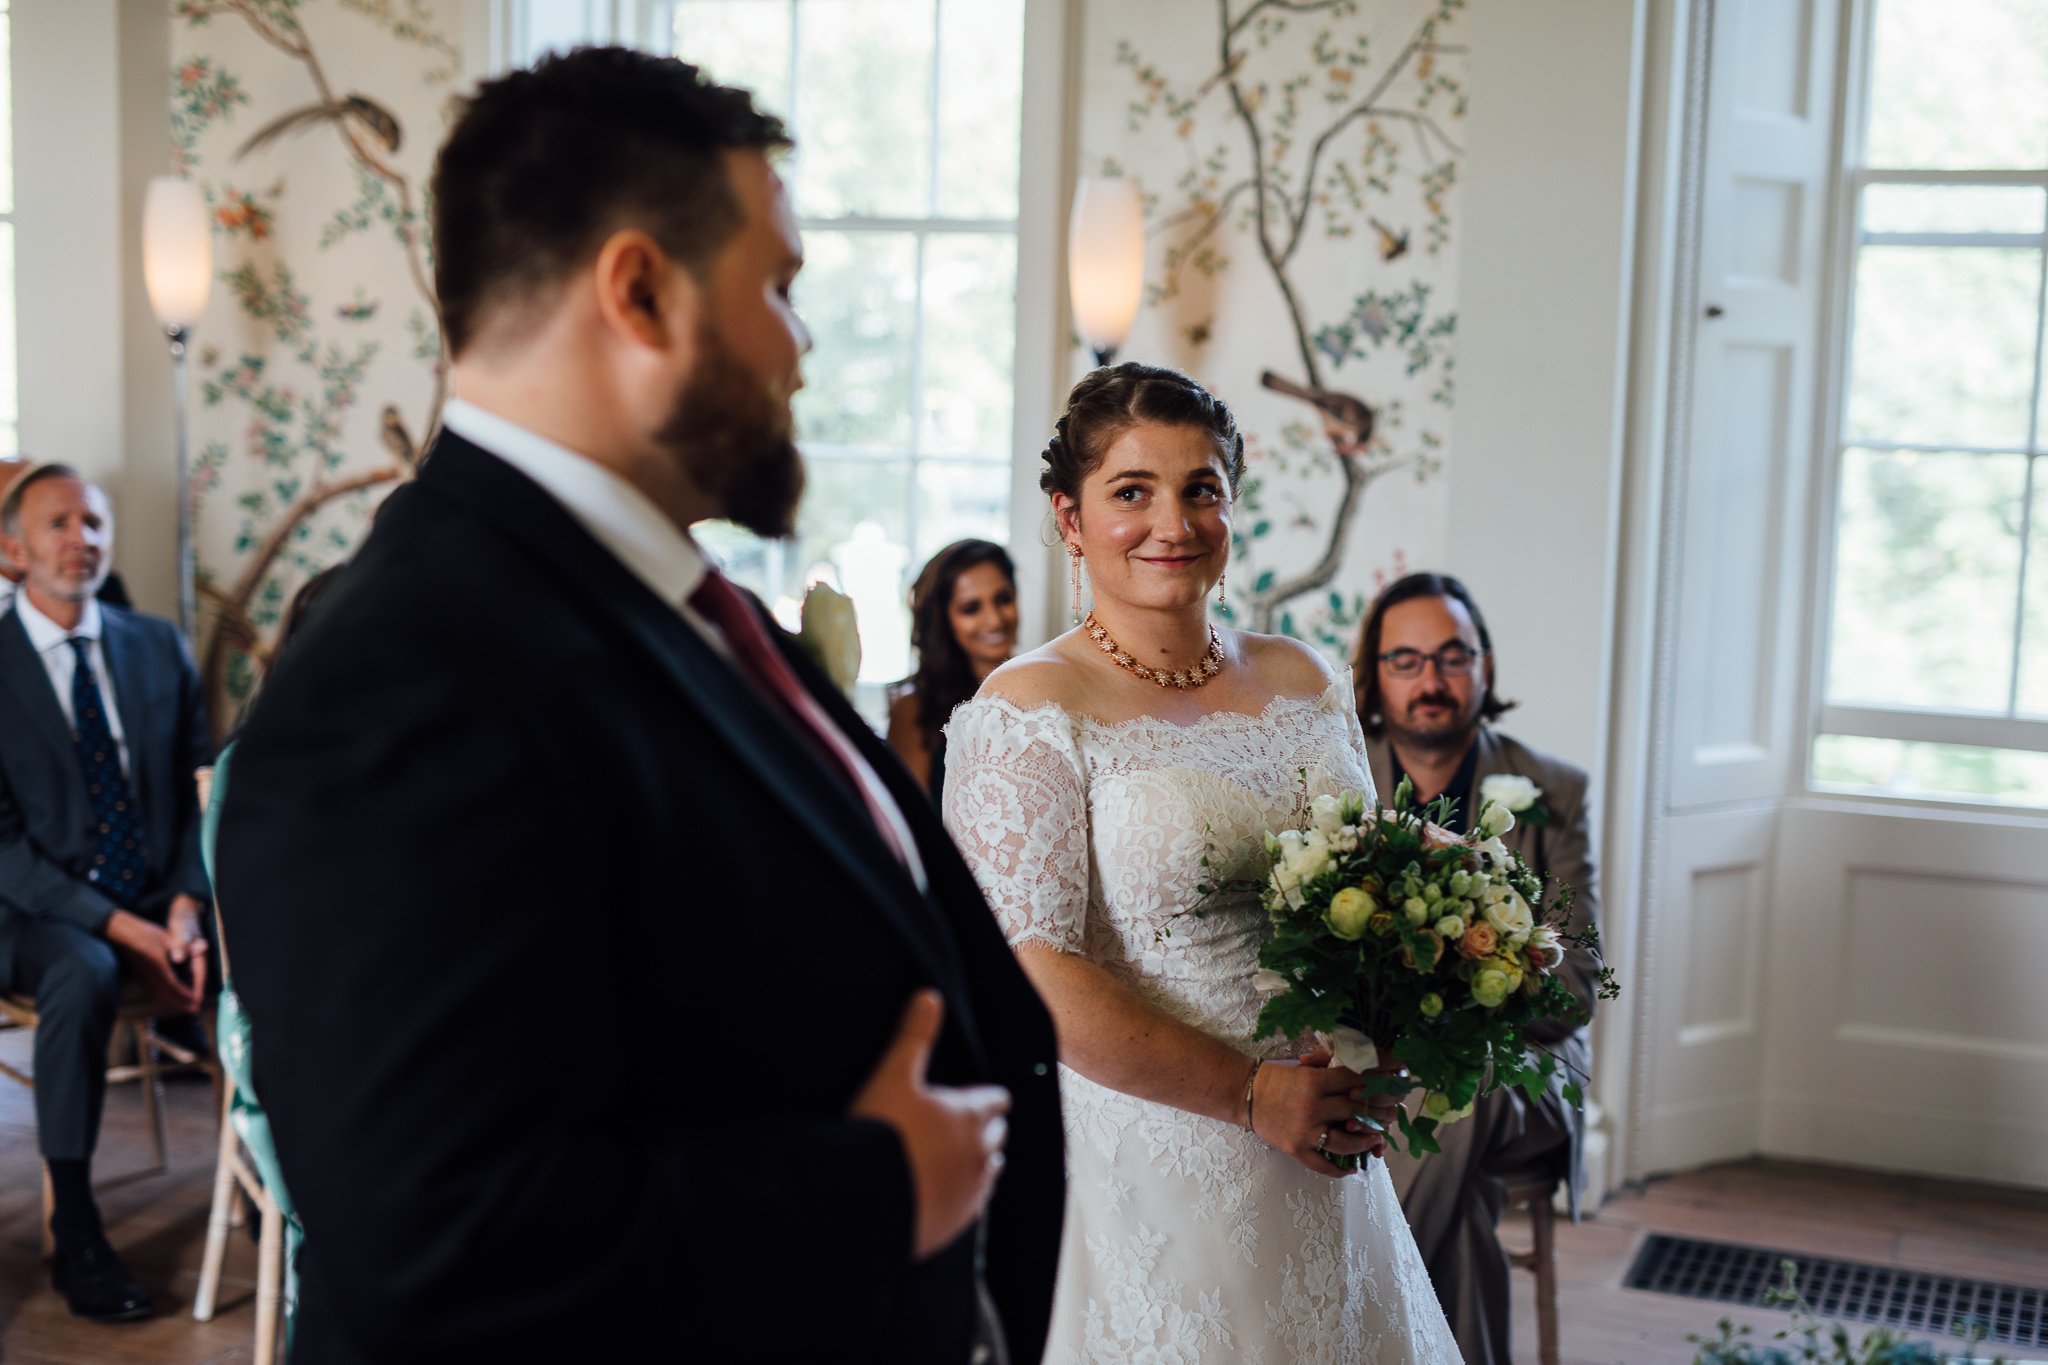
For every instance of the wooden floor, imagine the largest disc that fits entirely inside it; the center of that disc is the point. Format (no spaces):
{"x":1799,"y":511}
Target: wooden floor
{"x":1990,"y":1232}
{"x":158,"y":1223}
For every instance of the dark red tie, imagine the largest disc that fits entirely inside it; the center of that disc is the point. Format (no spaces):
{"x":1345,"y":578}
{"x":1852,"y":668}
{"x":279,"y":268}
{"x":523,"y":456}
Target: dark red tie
{"x":726,"y":607}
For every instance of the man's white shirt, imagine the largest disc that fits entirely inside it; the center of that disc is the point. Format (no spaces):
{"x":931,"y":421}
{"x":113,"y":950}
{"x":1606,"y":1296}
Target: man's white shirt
{"x":657,"y":552}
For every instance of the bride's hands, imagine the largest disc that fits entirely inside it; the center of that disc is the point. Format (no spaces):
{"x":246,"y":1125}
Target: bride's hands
{"x":1385,"y":1109}
{"x":1305,"y":1110}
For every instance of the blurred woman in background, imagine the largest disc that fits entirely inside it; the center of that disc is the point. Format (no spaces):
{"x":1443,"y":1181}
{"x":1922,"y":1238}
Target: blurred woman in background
{"x":963,"y":626}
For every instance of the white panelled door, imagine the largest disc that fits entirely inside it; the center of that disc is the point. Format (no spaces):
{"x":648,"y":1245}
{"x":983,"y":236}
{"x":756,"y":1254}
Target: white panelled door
{"x":1731,"y":691}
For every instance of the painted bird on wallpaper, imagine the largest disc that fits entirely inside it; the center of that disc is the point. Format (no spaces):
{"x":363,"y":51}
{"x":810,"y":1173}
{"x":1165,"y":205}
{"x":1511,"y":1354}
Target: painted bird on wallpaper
{"x":1392,"y":245}
{"x":1348,"y":420}
{"x":397,"y":440}
{"x":359,"y":110}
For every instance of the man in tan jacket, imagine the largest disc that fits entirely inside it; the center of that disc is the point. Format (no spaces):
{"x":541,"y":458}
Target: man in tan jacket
{"x":1427,"y":695}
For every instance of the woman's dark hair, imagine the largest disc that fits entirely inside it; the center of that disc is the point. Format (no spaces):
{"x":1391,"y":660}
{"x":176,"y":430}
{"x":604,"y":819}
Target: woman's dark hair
{"x":1365,"y":664}
{"x":543,"y":164}
{"x":1110,"y":401}
{"x":944,"y":677}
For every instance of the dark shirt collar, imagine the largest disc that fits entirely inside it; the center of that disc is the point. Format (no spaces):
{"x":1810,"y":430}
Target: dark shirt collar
{"x":1460,"y":790}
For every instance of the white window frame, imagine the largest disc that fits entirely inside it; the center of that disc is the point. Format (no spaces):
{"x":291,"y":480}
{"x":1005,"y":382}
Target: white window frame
{"x":1041,"y":356}
{"x":1953,"y":725}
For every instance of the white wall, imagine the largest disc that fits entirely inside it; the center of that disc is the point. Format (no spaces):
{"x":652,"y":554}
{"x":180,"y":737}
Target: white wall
{"x":89,"y":89}
{"x":1542,"y":352}
{"x":1536,"y":486}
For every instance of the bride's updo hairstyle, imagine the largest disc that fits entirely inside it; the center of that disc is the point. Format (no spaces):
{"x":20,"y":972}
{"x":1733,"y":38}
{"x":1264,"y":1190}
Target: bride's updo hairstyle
{"x":1110,"y":401}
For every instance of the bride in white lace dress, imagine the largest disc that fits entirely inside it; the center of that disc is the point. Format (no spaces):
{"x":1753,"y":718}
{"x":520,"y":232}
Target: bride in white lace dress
{"x":1087,"y":783}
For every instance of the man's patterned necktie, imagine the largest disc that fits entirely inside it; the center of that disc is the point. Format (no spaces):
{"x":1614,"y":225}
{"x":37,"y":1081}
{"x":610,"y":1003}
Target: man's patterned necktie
{"x":120,"y":860}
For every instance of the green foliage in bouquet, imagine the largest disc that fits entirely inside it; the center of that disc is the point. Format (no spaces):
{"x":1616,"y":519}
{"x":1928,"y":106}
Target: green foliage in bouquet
{"x":1400,"y":940}
{"x":1829,"y":1343}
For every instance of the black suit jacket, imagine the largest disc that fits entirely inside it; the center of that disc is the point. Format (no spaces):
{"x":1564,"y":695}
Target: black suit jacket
{"x":47,"y":828}
{"x":565,"y":958}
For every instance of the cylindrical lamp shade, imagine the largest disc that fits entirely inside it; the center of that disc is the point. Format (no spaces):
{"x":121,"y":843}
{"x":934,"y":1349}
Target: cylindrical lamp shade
{"x":177,"y":251}
{"x":1105,"y":260}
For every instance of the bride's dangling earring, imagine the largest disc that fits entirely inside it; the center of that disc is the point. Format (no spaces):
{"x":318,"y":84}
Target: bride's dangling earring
{"x":1219,"y":591}
{"x":1074,"y":572}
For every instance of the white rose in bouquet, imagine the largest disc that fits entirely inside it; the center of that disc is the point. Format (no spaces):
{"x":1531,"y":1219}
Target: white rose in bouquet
{"x":1508,"y":913}
{"x":1326,"y":813}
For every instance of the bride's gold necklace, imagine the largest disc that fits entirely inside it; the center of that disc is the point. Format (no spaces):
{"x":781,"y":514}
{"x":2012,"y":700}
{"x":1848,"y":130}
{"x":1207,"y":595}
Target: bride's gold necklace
{"x":1210,"y":664}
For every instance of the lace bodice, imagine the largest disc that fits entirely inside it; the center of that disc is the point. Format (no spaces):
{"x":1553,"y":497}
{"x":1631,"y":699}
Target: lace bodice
{"x":1091,"y":836}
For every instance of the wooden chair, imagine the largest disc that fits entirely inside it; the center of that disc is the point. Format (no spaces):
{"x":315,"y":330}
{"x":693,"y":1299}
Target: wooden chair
{"x":1536,"y":1190}
{"x":134,"y":1021}
{"x":236,"y":1184}
{"x":237,"y":1180}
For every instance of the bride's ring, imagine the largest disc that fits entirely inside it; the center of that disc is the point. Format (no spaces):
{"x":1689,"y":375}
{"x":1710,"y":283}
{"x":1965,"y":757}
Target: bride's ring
{"x":1323,"y":1142}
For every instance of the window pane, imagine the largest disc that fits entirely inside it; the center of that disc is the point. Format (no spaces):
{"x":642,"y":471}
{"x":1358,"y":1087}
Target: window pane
{"x":864,"y":114}
{"x":1943,"y":351}
{"x":10,"y":397}
{"x":558,"y":25}
{"x":740,"y":42}
{"x":1926,"y":579}
{"x":1962,"y":772}
{"x":970,"y":343}
{"x":1959,"y":85}
{"x":1952,"y":208}
{"x":857,"y":295}
{"x":981,"y":100}
{"x":955,"y":500}
{"x":2032,"y":699}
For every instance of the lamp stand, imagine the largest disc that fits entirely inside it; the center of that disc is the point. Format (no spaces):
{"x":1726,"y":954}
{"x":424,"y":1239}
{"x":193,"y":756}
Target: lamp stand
{"x":178,"y":336}
{"x":1103,"y":355}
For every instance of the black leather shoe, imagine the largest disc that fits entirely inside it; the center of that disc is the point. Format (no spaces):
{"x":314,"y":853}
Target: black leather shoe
{"x":95,"y":1283}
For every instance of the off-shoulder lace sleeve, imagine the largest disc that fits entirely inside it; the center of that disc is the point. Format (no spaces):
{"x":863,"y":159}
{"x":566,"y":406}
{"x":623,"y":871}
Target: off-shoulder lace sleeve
{"x":1016,"y":802}
{"x":1344,"y":697}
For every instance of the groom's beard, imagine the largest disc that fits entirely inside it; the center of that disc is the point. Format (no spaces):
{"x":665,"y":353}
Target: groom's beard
{"x":737,"y":442}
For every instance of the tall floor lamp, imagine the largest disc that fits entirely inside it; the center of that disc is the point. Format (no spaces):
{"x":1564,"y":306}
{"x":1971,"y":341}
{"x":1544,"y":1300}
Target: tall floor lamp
{"x":1105,"y":262}
{"x":177,"y":268}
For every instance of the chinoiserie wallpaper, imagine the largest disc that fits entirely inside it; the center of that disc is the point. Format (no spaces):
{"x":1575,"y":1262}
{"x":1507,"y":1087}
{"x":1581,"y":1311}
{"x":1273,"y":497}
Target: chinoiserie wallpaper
{"x":1298,"y":163}
{"x":311,"y":126}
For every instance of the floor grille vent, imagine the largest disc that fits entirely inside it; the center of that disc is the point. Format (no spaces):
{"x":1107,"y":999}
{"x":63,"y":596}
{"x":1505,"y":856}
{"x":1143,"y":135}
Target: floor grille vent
{"x":1851,"y":1291}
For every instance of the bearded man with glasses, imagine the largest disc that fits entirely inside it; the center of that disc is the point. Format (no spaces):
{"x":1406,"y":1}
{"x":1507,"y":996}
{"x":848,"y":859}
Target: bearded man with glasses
{"x":1427,"y":699}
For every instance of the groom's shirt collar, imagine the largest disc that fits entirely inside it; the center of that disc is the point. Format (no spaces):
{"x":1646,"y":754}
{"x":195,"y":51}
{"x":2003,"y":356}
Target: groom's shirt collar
{"x":619,"y":516}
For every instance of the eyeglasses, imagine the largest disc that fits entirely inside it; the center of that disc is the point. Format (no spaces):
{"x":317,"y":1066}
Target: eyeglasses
{"x":1450,"y":661}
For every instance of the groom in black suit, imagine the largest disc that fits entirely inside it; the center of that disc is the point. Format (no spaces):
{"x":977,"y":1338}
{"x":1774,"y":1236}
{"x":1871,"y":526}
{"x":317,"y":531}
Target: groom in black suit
{"x":608,"y":979}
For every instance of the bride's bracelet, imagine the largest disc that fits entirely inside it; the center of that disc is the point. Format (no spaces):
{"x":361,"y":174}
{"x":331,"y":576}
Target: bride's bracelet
{"x":1250,"y":1081}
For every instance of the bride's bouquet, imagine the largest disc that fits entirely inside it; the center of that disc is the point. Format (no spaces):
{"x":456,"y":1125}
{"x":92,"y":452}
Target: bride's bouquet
{"x":1399,"y":940}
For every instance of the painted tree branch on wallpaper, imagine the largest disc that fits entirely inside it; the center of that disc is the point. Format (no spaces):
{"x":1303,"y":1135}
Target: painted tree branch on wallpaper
{"x":296,"y":480}
{"x":1293,"y":139}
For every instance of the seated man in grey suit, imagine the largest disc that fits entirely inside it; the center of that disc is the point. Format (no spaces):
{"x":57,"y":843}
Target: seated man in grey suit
{"x":1426,"y":699}
{"x":101,"y":728}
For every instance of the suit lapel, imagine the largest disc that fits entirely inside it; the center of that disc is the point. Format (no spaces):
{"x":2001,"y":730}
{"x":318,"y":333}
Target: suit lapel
{"x":28,"y":684}
{"x":1379,"y":757}
{"x":759,"y":737}
{"x":122,"y":646}
{"x":933,"y":843}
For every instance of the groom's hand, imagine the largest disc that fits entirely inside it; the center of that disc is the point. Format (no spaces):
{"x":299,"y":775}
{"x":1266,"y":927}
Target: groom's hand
{"x":953,"y":1137}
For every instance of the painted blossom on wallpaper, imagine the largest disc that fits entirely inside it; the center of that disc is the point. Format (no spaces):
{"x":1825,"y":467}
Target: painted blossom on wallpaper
{"x":1298,"y":161}
{"x":310,"y":126}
